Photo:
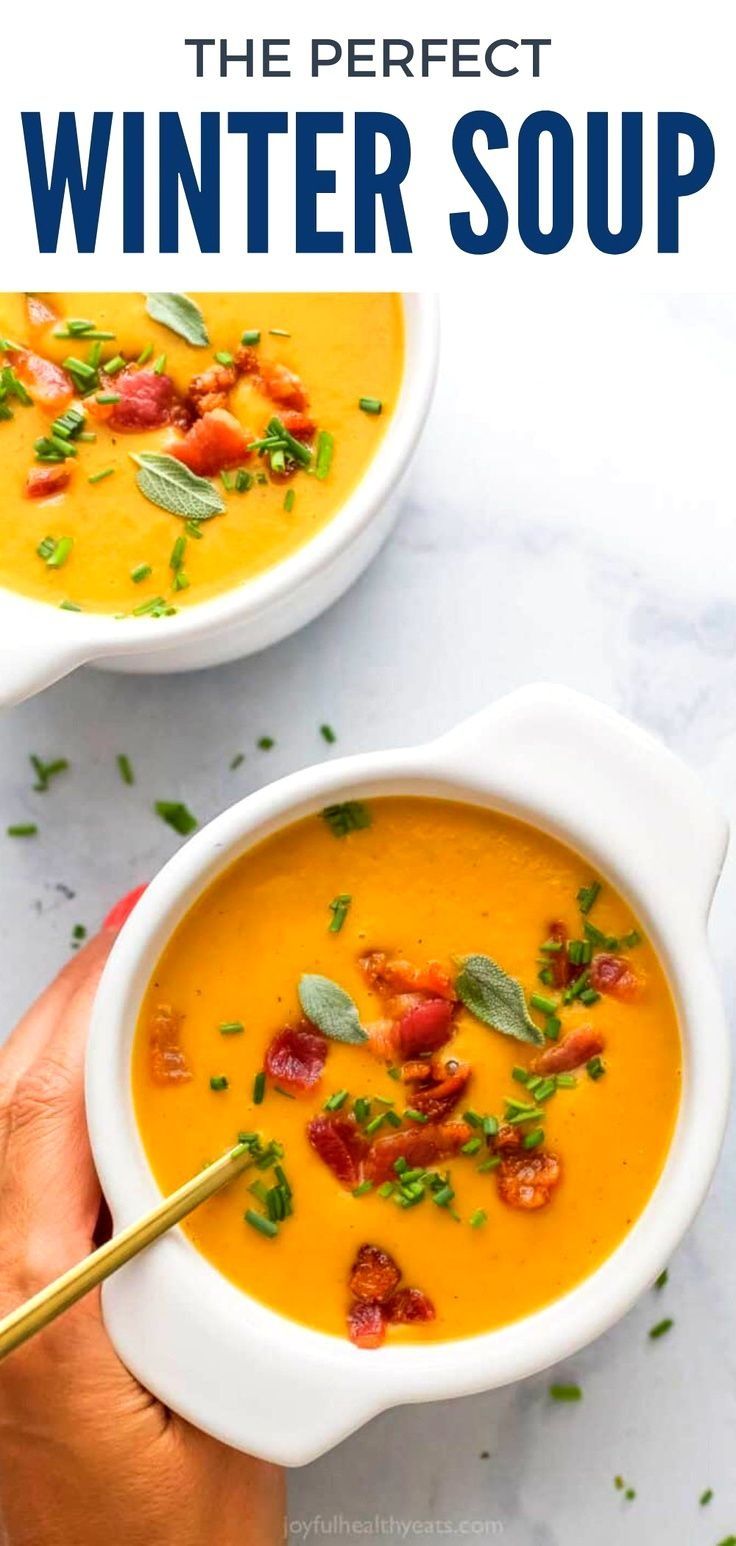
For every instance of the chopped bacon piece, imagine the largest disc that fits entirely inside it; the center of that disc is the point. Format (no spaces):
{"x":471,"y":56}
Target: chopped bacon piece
{"x":438,"y":1099}
{"x":418,"y":1071}
{"x":212,"y":388}
{"x":246,"y":361}
{"x":42,"y":482}
{"x":146,"y":401}
{"x":409,"y":1306}
{"x":528,"y":1180}
{"x":417,"y":1145}
{"x":508,"y":1141}
{"x":574,"y":1050}
{"x":298,"y":424}
{"x":215,"y":441}
{"x":612,"y":974}
{"x":296,"y":1058}
{"x":40,"y":313}
{"x":366,"y":1325}
{"x":340,"y":1144}
{"x":389,"y":974}
{"x":282,"y":386}
{"x":167,"y":1061}
{"x":558,"y":961}
{"x":424,"y":1028}
{"x":50,"y":386}
{"x":374,"y":1275}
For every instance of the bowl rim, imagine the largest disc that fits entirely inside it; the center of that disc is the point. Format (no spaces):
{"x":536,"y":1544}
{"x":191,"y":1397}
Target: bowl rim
{"x":298,"y":1362}
{"x":94,"y":635}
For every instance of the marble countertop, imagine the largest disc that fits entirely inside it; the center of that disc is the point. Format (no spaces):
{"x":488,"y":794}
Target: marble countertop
{"x":570,"y":517}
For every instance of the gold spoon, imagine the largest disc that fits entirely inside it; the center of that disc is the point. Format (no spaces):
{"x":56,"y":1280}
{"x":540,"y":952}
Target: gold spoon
{"x":60,"y":1295}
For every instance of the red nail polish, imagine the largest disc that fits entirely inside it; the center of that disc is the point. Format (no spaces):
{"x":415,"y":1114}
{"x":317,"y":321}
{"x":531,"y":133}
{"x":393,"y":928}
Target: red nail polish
{"x":122,"y":909}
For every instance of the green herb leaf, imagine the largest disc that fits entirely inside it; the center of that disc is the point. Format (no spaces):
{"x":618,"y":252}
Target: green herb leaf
{"x":170,"y":485}
{"x":181,"y":315}
{"x":331,"y":1009}
{"x":350,"y":816}
{"x":496,"y":999}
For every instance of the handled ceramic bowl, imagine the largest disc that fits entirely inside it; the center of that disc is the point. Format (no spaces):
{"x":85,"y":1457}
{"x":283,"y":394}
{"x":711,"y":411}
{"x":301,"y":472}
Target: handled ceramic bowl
{"x":39,"y":643}
{"x":276,"y":1388}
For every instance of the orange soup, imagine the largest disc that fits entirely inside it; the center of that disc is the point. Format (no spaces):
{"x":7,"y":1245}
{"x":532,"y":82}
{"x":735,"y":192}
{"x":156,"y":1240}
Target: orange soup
{"x":156,"y":450}
{"x":450,"y":1048}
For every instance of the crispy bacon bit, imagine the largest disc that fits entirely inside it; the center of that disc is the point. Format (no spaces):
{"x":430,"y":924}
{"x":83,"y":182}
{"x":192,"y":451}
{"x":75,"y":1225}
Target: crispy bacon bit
{"x":438,"y":1099}
{"x":295,"y":1058}
{"x":558,"y":961}
{"x":389,"y":975}
{"x":340,"y":1145}
{"x":574,"y":1050}
{"x":409,"y":1306}
{"x":299,"y":424}
{"x":42,"y":482}
{"x":416,"y":1072}
{"x":246,"y":361}
{"x":146,"y":401}
{"x":215,"y":441}
{"x":508,"y":1141}
{"x":528,"y":1180}
{"x":282,"y":386}
{"x":374,"y":1275}
{"x":366,"y":1325}
{"x":612,"y":974}
{"x":167,"y":1061}
{"x":50,"y":386}
{"x":425,"y":1028}
{"x":212,"y":388}
{"x":417,"y":1145}
{"x":40,"y":313}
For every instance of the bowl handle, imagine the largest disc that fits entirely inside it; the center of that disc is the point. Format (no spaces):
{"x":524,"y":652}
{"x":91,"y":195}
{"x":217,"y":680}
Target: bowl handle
{"x":26,"y":667}
{"x":589,"y":770}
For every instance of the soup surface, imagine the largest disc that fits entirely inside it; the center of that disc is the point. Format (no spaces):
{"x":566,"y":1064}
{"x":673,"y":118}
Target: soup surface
{"x":491,"y":1172}
{"x":277,"y":402}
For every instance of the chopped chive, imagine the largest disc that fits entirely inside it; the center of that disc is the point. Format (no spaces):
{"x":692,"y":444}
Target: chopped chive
{"x":227,"y":480}
{"x":104,"y":398}
{"x":472,"y":1146}
{"x":350,"y":816}
{"x":339,"y":907}
{"x":444,"y":1196}
{"x":289,"y":498}
{"x":663,"y":1279}
{"x":243,"y":480}
{"x":705,"y":1497}
{"x":565,"y":1392}
{"x":223,"y":357}
{"x":490,"y":1126}
{"x":176,"y":815}
{"x":279,"y":332}
{"x":413,"y":1115}
{"x":159,"y":365}
{"x":219,"y":1082}
{"x":113,"y":366}
{"x":325,"y":452}
{"x":565,"y":1081}
{"x":587,"y":895}
{"x":45,"y":771}
{"x":263,"y":1225}
{"x":596,"y":1067}
{"x":546,"y":1006}
{"x":61,"y":553}
{"x":393,"y":1073}
{"x":337,"y":1100}
{"x":236,"y":761}
{"x":362,"y":1188}
{"x":362,"y":1108}
{"x":141,"y":572}
{"x":552,"y":1027}
{"x":154,"y":605}
{"x":193,"y":529}
{"x":327,"y":733}
{"x":589,"y":996}
{"x":230,"y":1027}
{"x":177,"y":553}
{"x":259,"y":1087}
{"x":631,"y":940}
{"x":98,"y":477}
{"x":385,"y":1189}
{"x":145,"y":355}
{"x":251,"y":336}
{"x":551,"y":946}
{"x":265,"y":743}
{"x":370,"y":404}
{"x":661,"y":1328}
{"x":521,"y":1075}
{"x":478,"y":1218}
{"x":22,"y":829}
{"x":533,"y":1139}
{"x":69,"y":606}
{"x":492,"y":1163}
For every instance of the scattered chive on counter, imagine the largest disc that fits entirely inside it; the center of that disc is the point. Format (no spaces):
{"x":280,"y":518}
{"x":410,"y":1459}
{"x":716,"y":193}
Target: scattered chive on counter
{"x":237,"y":761}
{"x":565,"y":1392}
{"x":327,"y":733}
{"x":265,"y":743}
{"x":125,"y":768}
{"x":22,"y":829}
{"x":663,"y":1279}
{"x":45,"y":771}
{"x":176,"y":815}
{"x":661,"y":1328}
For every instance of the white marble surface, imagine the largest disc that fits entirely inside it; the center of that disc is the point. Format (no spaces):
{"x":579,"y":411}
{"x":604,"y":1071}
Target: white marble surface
{"x":570,"y":517}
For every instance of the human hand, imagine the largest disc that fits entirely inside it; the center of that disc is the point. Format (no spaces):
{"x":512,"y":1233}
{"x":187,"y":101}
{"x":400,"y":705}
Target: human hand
{"x":87,"y":1456}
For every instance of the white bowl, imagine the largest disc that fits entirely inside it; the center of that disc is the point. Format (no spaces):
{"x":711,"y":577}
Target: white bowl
{"x":40,"y":643}
{"x":275,"y":1388}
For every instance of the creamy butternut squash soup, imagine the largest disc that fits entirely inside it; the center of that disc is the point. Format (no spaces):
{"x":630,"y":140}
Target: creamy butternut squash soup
{"x":452,"y":1052}
{"x":156,"y":450}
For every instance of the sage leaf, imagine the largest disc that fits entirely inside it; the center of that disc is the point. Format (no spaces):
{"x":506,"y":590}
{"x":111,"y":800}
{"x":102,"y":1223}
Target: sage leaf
{"x":170,"y":485}
{"x":331,"y":1009}
{"x":181,"y":315}
{"x":496,"y":999}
